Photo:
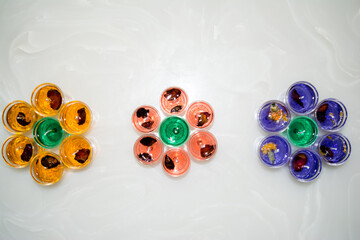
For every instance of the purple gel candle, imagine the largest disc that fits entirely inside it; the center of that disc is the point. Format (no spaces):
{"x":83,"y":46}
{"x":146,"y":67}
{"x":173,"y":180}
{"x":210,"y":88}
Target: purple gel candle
{"x":331,"y":115}
{"x":302,"y":98}
{"x":274,"y":151}
{"x":274,"y":116}
{"x":305,"y":165}
{"x":334,"y":148}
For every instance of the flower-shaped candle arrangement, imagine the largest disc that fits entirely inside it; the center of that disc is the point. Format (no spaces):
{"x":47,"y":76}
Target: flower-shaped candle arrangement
{"x":302,"y":132}
{"x":74,"y":117}
{"x":174,"y":132}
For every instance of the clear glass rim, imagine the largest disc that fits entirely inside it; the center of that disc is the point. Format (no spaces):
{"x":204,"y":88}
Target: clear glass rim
{"x":33,"y":101}
{"x":346,"y":140}
{"x":344,"y":110}
{"x":4,"y":155}
{"x":62,"y":119}
{"x":33,"y":175}
{"x":261,"y":143}
{"x":315,"y":138}
{"x":182,"y":110}
{"x":318,"y":170}
{"x":187,"y":165}
{"x":148,"y":135}
{"x":188,"y":131}
{"x":278,"y":102}
{"x":209,"y":124}
{"x":312,"y":88}
{"x":4,"y":115}
{"x":206,"y":133}
{"x":142,"y":130}
{"x":62,"y":146}
{"x":35,"y":130}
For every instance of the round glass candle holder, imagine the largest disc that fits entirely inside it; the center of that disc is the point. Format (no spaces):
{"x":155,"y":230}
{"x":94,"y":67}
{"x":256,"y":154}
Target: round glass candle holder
{"x":18,"y":117}
{"x":148,"y":149}
{"x":202,"y":145}
{"x":305,"y":165}
{"x":274,"y":116}
{"x":46,"y":168}
{"x":302,"y":131}
{"x":18,"y":150}
{"x":76,"y":152}
{"x":47,"y":99}
{"x":174,"y":131}
{"x":331,"y":115}
{"x":75,"y":117}
{"x":48,"y":132}
{"x":334,"y":149}
{"x":174,"y":100}
{"x":176,"y":162}
{"x":274,"y":151}
{"x":145,"y":119}
{"x":200,"y":114}
{"x":302,"y":97}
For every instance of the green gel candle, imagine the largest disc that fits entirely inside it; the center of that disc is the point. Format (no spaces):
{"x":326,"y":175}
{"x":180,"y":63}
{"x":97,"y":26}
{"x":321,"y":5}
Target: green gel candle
{"x":302,"y":131}
{"x":48,"y":132}
{"x":174,"y":131}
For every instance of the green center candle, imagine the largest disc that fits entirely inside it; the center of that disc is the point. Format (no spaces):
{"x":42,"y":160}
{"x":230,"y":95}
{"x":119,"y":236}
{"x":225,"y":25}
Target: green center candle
{"x":302,"y":131}
{"x":174,"y":131}
{"x":48,"y":132}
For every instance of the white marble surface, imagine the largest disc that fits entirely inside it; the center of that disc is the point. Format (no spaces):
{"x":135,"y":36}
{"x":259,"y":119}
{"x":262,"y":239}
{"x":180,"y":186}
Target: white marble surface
{"x":117,"y":55}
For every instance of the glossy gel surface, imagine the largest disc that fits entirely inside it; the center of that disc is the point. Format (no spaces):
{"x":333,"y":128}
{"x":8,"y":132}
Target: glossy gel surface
{"x":302,"y":131}
{"x":274,"y":151}
{"x":331,"y":115}
{"x":174,"y":131}
{"x":305,"y":165}
{"x":275,"y":121}
{"x":302,"y":97}
{"x":48,"y":133}
{"x":334,"y":148}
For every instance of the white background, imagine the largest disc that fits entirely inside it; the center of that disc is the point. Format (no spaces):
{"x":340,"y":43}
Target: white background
{"x":118,"y":55}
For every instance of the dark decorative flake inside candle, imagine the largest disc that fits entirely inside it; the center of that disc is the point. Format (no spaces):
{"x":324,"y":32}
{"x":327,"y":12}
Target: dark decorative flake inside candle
{"x":321,"y":113}
{"x":172,"y":94}
{"x":148,"y":124}
{"x":326,"y":151}
{"x":27,"y":153}
{"x":142,"y":113}
{"x":169,"y":163}
{"x":299,"y":162}
{"x":55,"y":99}
{"x":145,"y":157}
{"x":207,"y":150}
{"x":176,"y":109}
{"x":81,"y":116}
{"x":82,"y":155}
{"x":49,"y":162}
{"x":296,"y":97}
{"x":203,"y":118}
{"x":21,"y":119}
{"x":148,"y":141}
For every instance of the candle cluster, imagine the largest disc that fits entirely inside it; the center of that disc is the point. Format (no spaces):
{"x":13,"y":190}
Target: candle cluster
{"x":54,"y":122}
{"x":174,"y":132}
{"x":302,"y":131}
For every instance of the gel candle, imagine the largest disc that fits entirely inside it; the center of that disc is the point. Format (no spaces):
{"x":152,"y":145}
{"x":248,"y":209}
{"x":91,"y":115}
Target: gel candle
{"x":334,"y":149}
{"x":302,"y":131}
{"x":274,"y":151}
{"x":48,"y":132}
{"x":305,"y":165}
{"x":331,"y":115}
{"x":174,"y":131}
{"x":302,"y":98}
